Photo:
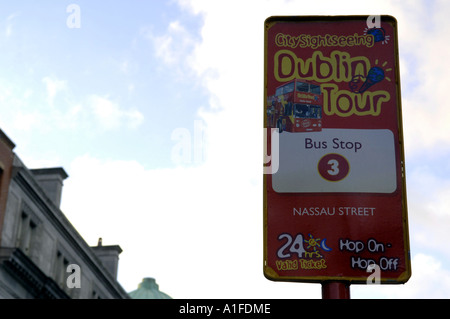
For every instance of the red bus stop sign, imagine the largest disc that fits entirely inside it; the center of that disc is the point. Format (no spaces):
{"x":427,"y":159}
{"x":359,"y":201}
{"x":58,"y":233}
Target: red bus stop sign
{"x":334,"y":184}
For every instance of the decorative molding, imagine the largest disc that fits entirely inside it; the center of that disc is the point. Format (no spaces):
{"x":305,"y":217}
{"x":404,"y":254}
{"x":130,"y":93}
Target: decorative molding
{"x":29,"y":275}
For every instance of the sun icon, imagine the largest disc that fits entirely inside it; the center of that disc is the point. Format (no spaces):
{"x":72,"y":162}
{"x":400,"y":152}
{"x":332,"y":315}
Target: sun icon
{"x":312,"y":242}
{"x":386,"y":70}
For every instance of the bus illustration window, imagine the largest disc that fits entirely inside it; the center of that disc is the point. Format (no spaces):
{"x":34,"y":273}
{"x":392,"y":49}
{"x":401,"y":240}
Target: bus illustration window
{"x":295,"y":107}
{"x":315,"y":89}
{"x":302,"y":87}
{"x":307,"y":111}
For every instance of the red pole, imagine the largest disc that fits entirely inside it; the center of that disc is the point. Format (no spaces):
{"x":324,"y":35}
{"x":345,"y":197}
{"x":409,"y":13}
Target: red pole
{"x":335,"y":290}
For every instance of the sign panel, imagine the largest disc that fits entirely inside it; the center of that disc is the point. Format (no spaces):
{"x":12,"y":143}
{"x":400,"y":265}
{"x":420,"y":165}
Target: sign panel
{"x":334,"y":184}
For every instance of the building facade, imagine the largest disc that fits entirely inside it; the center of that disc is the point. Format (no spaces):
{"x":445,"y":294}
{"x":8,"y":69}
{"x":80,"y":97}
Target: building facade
{"x":41,"y":254}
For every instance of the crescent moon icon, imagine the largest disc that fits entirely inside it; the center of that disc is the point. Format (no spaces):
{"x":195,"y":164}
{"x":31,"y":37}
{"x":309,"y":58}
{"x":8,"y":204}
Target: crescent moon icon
{"x":324,"y":246}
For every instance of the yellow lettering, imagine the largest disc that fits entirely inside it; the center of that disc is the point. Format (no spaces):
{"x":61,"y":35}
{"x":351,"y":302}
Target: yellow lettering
{"x":287,"y":264}
{"x":338,"y":67}
{"x":345,"y":103}
{"x":312,"y":264}
{"x":327,"y":40}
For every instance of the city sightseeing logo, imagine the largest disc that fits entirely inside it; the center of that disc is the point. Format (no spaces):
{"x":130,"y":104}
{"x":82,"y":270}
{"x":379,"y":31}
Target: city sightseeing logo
{"x":358,"y":71}
{"x":372,"y":34}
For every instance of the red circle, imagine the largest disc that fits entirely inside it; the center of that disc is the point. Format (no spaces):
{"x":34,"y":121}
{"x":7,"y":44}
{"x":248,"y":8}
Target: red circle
{"x":333,"y":167}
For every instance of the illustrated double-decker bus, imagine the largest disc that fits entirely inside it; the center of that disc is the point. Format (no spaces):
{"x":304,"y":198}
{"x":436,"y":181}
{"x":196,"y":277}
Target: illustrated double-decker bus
{"x":296,"y":106}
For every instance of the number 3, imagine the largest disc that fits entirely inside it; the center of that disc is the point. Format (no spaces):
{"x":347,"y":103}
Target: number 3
{"x":334,"y":167}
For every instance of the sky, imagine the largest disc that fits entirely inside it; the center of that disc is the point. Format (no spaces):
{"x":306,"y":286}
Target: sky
{"x":153,"y":108}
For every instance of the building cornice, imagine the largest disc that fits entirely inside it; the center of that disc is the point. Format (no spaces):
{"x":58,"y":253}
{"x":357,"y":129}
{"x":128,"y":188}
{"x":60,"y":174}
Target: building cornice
{"x":29,"y":275}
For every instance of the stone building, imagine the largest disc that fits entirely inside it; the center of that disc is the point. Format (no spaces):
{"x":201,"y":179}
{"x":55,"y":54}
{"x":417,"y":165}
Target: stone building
{"x":41,"y":254}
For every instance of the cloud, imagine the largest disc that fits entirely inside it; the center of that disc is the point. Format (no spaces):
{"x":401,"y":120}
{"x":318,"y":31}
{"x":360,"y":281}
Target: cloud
{"x":174,"y":47}
{"x":171,"y":46}
{"x":53,"y":86}
{"x":9,"y":24}
{"x":125,"y":202}
{"x":110,"y":116}
{"x":183,"y":226}
{"x":27,"y":121}
{"x":27,"y":109}
{"x":424,"y":67}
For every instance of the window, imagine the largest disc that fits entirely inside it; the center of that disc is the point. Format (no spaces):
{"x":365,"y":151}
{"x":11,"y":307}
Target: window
{"x":302,"y":110}
{"x":302,"y":87}
{"x":95,"y":295}
{"x":288,"y":109}
{"x":26,"y":232}
{"x":288,"y":88}
{"x":315,"y":89}
{"x":60,"y":267}
{"x":316,"y":112}
{"x":1,"y":175}
{"x":310,"y":88}
{"x":307,"y":111}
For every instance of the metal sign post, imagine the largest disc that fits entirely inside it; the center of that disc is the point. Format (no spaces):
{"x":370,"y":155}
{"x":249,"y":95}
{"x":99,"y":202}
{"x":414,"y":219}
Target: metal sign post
{"x":335,"y":290}
{"x":334,"y":178}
